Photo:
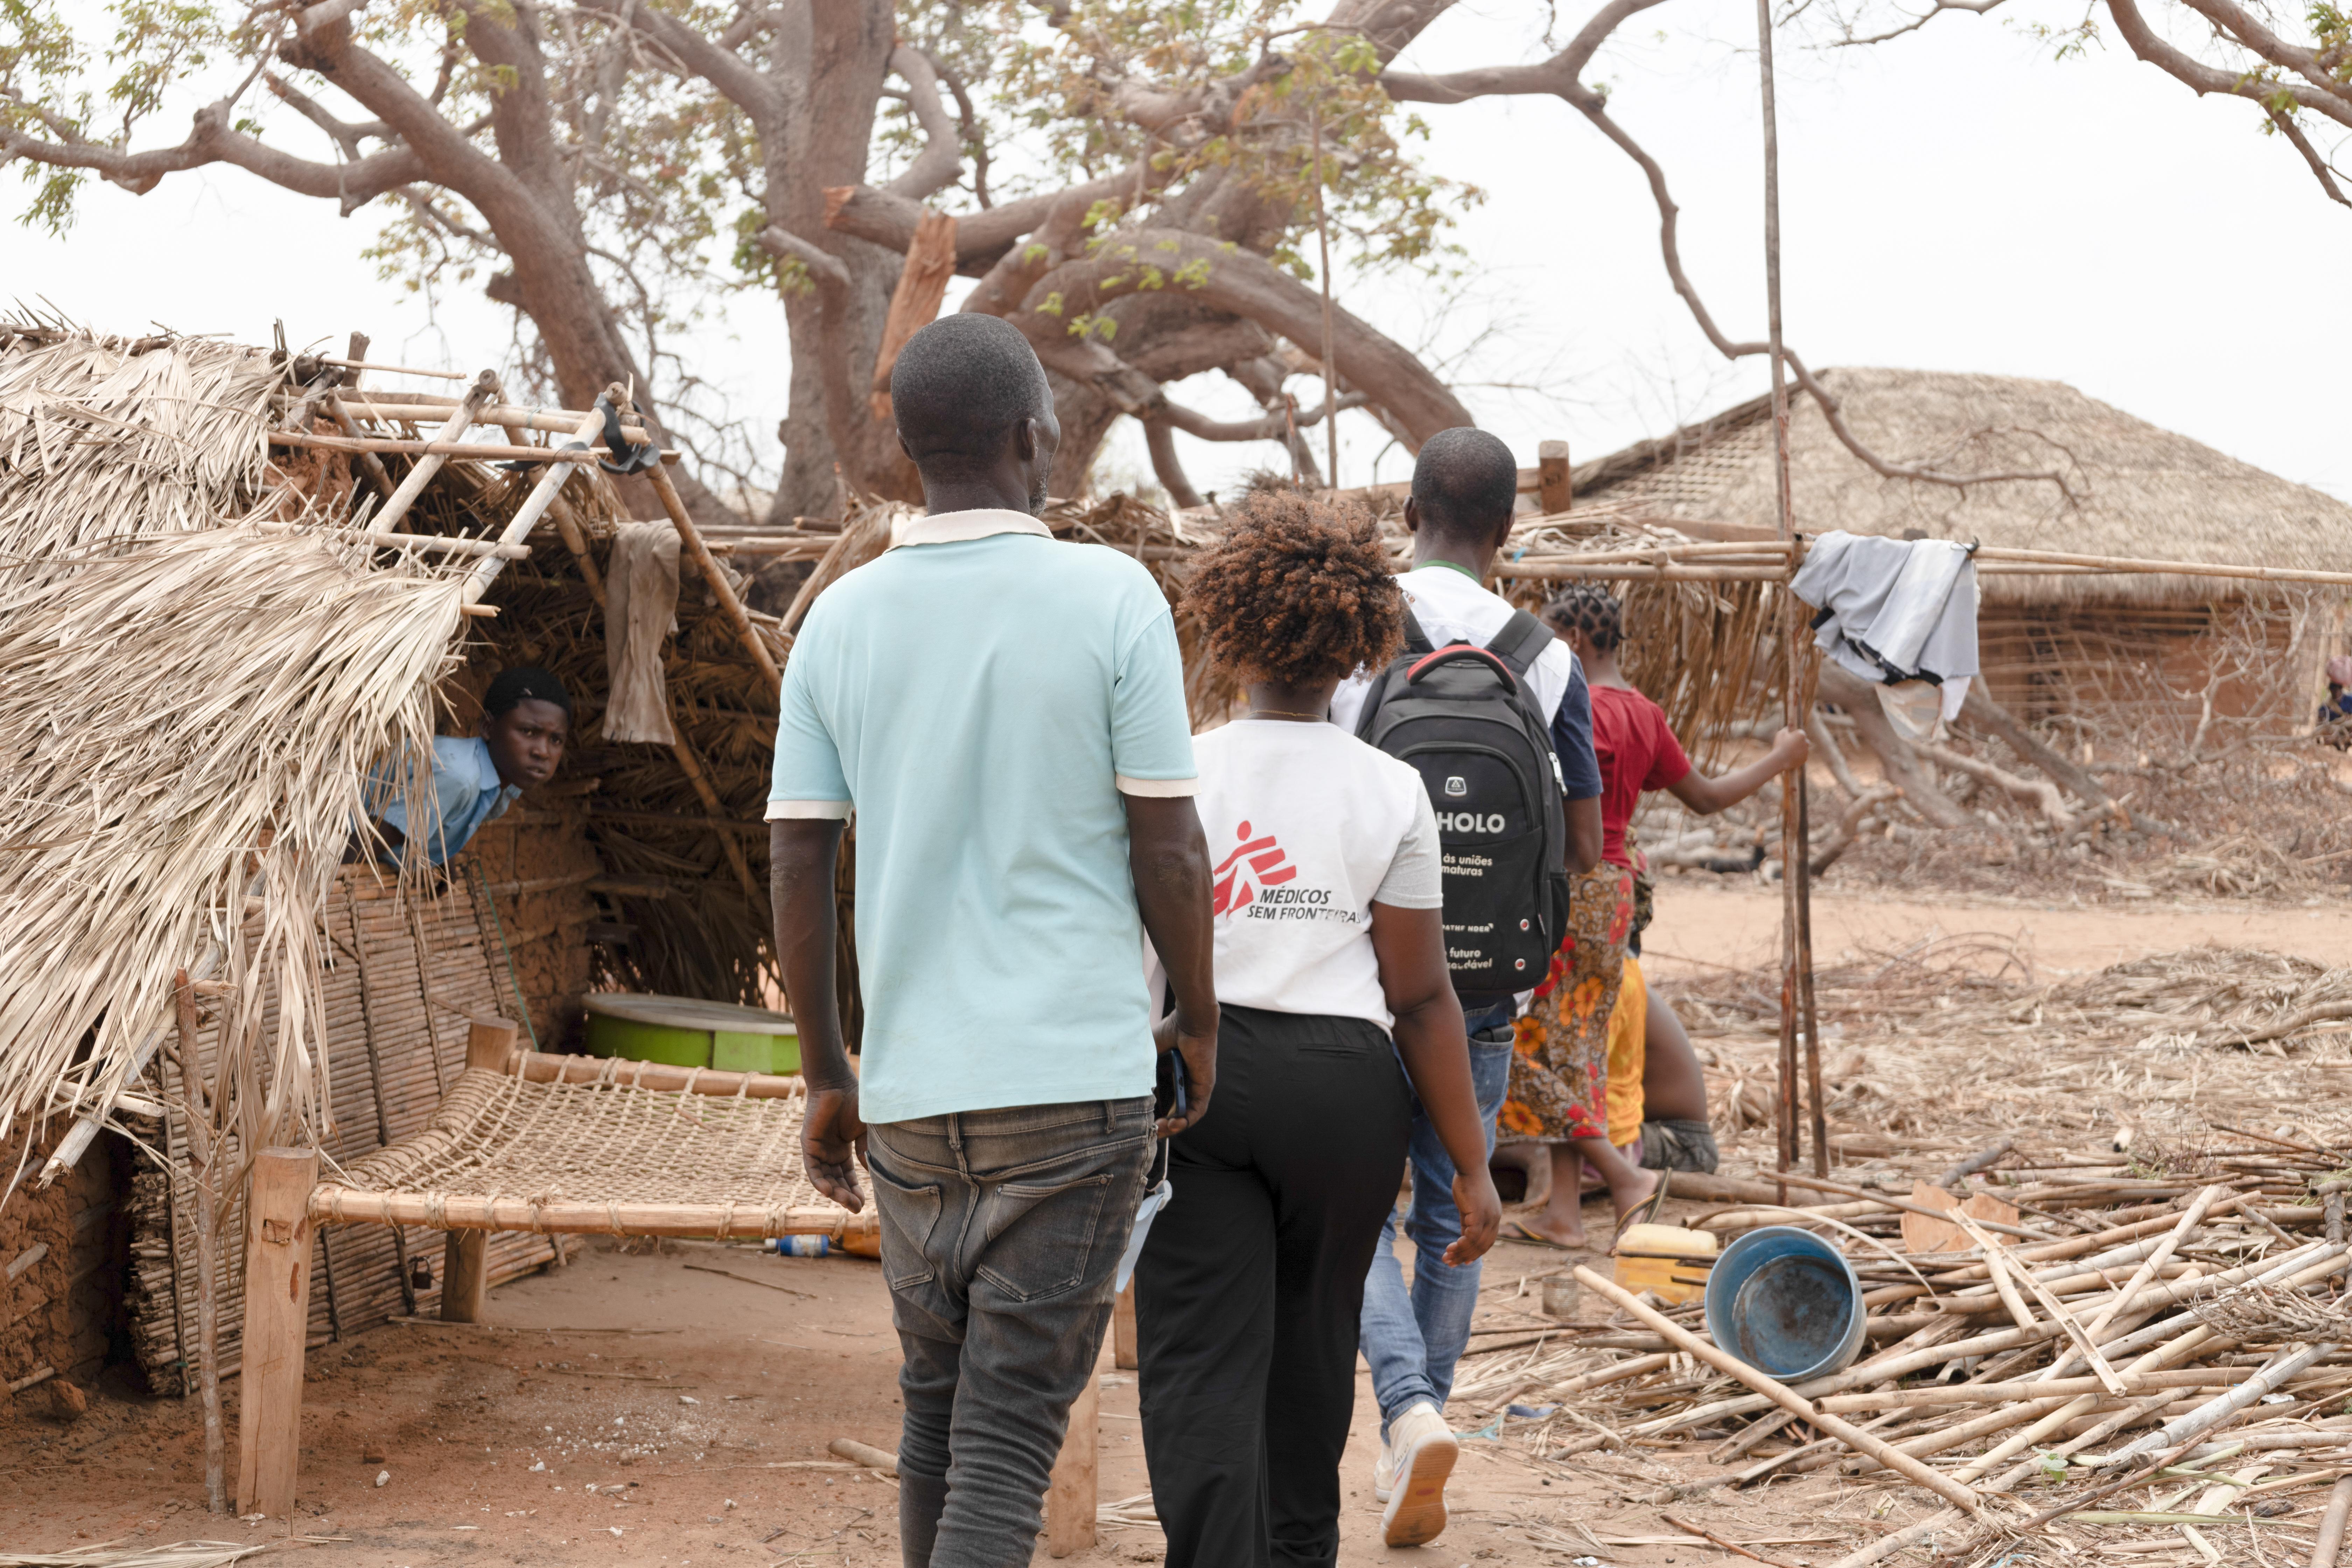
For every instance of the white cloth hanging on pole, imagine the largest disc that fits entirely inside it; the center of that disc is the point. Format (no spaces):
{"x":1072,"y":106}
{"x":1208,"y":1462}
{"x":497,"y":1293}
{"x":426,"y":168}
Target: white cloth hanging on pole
{"x":1896,"y":612}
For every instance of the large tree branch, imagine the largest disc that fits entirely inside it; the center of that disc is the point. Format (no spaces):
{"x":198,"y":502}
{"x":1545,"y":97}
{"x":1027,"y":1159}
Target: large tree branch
{"x":1560,"y":75}
{"x":1390,"y":25}
{"x":1239,"y":283}
{"x":210,"y":140}
{"x":825,"y":267}
{"x":2235,"y":21}
{"x":2320,"y":168}
{"x":1160,"y":442}
{"x":1265,"y":427}
{"x":983,"y":237}
{"x":2202,"y":79}
{"x":713,"y":59}
{"x":941,"y":159}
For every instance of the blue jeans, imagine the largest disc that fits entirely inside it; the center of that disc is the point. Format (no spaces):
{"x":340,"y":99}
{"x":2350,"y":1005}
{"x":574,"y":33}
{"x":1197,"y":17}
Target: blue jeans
{"x":1411,"y":1342}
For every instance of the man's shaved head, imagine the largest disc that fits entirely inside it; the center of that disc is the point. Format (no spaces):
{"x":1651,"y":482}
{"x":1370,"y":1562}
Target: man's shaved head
{"x":960,"y":387}
{"x":1465,"y":482}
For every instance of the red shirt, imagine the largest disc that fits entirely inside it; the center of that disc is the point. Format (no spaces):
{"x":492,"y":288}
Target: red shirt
{"x":1636,"y":752}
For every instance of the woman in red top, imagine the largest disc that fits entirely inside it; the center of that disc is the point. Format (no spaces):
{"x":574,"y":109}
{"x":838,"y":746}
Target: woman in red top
{"x":1637,"y":752}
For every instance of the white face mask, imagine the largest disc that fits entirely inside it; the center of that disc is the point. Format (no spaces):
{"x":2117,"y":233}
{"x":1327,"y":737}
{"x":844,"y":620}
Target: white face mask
{"x":1158,"y":1198}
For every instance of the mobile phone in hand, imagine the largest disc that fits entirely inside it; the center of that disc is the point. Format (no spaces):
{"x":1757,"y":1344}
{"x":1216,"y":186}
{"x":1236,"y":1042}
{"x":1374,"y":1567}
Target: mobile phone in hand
{"x":1168,"y":1096}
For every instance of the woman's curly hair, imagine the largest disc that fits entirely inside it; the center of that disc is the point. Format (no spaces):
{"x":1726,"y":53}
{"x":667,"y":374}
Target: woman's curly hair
{"x":1298,"y":591}
{"x":1590,"y":608}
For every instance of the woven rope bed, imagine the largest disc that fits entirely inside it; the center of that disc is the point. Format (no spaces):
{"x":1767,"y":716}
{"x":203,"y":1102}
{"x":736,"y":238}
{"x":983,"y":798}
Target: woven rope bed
{"x":551,"y":1144}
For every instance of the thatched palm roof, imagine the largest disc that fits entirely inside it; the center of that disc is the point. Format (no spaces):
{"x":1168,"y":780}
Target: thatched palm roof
{"x":2143,"y":492}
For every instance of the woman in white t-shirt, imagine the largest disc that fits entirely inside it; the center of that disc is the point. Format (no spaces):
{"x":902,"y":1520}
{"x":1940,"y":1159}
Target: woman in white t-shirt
{"x":1332,"y":978}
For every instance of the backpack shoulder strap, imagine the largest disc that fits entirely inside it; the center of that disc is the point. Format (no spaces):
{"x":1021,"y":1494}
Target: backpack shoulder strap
{"x":1416,"y":641}
{"x":1520,"y":642}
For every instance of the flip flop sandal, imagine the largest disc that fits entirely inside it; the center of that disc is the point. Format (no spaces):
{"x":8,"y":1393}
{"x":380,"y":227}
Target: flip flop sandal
{"x":1512,"y":1230}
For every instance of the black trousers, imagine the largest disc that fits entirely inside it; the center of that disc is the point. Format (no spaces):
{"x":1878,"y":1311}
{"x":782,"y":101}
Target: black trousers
{"x":1250,"y":1285}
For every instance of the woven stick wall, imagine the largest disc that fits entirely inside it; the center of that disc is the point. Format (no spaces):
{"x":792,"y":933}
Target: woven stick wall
{"x":402,"y":979}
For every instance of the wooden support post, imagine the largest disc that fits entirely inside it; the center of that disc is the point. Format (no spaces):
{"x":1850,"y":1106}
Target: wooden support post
{"x":465,"y":1276}
{"x":1122,"y":1330}
{"x":489,"y":1043}
{"x":466,"y":1254}
{"x":1070,"y":1496}
{"x":368,"y":461}
{"x":277,"y":1321}
{"x":1552,"y":490}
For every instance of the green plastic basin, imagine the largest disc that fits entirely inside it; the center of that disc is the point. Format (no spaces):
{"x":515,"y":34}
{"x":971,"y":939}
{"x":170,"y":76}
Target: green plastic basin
{"x":685,"y":1031}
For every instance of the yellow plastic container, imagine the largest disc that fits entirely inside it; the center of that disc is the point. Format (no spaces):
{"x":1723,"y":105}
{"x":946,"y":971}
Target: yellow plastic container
{"x":1665,"y":1260}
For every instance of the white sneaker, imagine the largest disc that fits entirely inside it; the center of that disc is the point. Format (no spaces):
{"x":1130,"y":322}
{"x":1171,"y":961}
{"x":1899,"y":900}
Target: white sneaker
{"x":1409,"y":1475}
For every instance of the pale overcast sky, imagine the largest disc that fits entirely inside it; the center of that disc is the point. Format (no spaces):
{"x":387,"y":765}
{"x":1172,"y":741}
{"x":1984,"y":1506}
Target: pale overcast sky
{"x":1956,"y":200}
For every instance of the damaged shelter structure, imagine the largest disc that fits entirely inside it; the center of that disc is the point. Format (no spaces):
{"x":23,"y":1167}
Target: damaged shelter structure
{"x":247,"y":1069}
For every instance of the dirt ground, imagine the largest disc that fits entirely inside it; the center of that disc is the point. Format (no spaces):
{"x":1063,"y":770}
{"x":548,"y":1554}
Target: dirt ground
{"x":645,"y":1406}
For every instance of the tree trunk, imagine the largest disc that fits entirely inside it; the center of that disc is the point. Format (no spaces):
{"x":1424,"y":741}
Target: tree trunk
{"x":828,"y":110}
{"x":1899,"y":764}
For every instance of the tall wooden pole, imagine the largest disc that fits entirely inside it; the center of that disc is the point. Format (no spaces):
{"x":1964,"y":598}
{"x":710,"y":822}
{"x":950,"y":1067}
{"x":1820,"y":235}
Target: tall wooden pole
{"x":1330,"y":371}
{"x":1795,"y":867}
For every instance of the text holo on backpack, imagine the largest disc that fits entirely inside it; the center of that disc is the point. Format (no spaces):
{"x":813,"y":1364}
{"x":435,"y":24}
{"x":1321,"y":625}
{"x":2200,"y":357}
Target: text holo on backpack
{"x":1463,"y":716}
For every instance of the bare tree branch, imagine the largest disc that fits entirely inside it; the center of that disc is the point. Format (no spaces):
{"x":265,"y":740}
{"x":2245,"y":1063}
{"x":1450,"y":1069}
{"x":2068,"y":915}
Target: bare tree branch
{"x":1265,"y":427}
{"x":1159,"y":440}
{"x":825,"y":268}
{"x":2320,"y":169}
{"x":1559,"y":77}
{"x":941,"y":159}
{"x":968,"y":125}
{"x":1976,"y":7}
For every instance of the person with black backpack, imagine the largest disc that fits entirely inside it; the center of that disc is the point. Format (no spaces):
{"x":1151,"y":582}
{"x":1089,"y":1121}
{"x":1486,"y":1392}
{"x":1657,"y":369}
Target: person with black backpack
{"x":1492,"y":711}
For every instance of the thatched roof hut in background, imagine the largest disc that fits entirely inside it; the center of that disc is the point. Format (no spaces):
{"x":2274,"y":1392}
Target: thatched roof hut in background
{"x":2051,"y":644}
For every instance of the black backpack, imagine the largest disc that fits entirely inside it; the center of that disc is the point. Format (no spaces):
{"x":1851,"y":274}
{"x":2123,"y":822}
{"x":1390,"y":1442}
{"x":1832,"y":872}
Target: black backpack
{"x":1463,"y":716}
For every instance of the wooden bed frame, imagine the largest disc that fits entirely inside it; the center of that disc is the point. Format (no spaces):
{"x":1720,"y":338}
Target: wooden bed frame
{"x":287,"y":1202}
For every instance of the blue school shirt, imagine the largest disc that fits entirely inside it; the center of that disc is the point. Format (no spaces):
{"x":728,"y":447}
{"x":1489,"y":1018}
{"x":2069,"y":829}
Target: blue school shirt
{"x":466,"y":791}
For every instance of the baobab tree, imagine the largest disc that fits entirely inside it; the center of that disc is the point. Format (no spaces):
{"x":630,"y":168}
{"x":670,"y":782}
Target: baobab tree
{"x":1137,"y":186}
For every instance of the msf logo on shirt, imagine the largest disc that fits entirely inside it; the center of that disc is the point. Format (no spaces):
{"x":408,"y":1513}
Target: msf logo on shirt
{"x":1266,"y":866}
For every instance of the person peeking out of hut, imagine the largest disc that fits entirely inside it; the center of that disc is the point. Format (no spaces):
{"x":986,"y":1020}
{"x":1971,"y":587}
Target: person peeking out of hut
{"x":1005,"y":712}
{"x":1336,"y":1011}
{"x":525,"y":720}
{"x":1584,"y":1090}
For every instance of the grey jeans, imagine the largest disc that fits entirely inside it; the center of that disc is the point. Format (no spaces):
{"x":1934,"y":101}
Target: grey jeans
{"x":1001,"y":1230}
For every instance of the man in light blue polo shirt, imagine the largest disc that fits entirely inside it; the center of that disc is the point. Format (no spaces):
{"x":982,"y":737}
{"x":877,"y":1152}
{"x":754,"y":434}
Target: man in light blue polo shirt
{"x":1005,"y":715}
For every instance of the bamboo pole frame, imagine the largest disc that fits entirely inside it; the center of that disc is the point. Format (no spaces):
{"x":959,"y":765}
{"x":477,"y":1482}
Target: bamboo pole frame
{"x":459,"y":422}
{"x":443,"y":450}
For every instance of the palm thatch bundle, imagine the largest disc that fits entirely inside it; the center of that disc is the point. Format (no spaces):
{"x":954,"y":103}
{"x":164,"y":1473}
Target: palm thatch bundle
{"x":101,"y":438}
{"x":2137,"y":489}
{"x":186,"y":721}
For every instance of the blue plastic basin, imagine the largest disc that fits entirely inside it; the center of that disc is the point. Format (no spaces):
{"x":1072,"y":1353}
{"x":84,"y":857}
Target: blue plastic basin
{"x":1787,"y":1303}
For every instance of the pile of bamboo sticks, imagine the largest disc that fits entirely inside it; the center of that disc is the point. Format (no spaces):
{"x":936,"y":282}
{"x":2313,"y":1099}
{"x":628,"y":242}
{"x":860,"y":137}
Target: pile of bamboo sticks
{"x":2121,"y":1351}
